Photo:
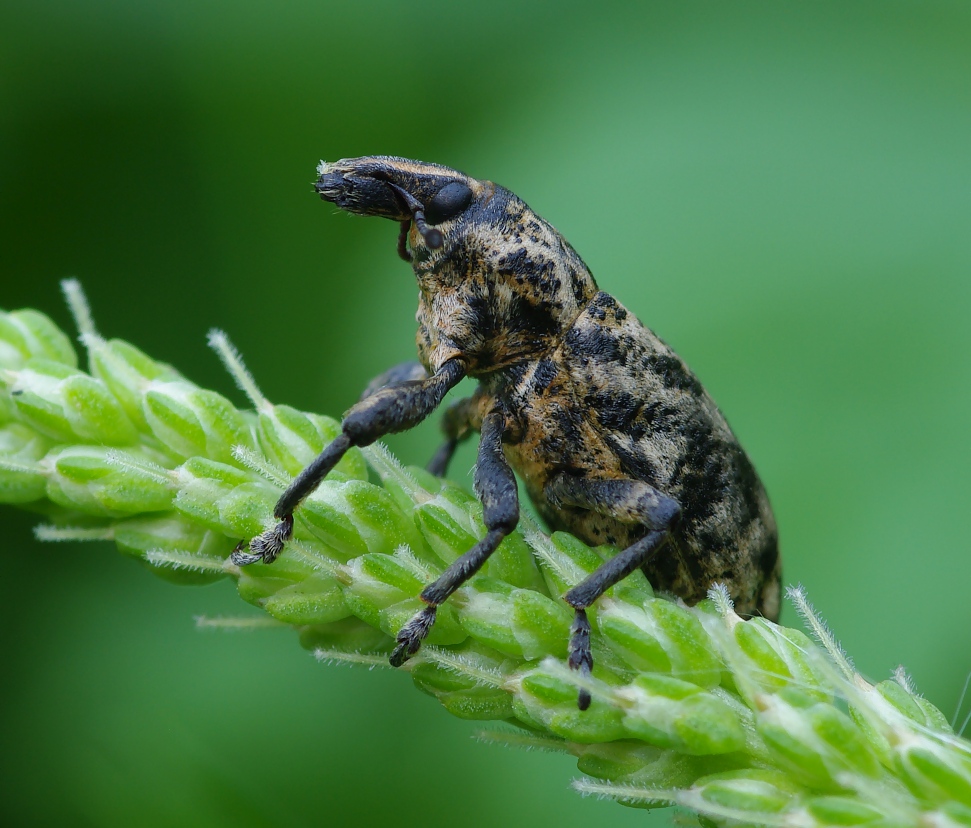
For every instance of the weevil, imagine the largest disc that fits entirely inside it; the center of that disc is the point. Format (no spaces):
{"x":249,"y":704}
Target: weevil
{"x":613,"y":436}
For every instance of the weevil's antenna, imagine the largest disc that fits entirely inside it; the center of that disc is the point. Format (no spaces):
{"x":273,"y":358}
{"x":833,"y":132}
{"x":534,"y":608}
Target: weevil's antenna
{"x":433,"y":237}
{"x":403,"y":250}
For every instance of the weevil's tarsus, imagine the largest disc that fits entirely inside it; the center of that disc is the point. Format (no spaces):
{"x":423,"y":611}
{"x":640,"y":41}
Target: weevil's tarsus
{"x":388,"y":410}
{"x":581,"y":656}
{"x":267,"y":546}
{"x":411,"y":635}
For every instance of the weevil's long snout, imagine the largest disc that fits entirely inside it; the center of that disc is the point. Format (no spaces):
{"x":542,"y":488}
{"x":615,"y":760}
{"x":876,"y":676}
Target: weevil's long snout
{"x":359,"y":188}
{"x":398,"y":189}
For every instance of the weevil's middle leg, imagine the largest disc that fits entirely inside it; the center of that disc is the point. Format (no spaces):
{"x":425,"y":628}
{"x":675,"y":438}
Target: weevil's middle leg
{"x":495,"y":484}
{"x":458,"y":424}
{"x":630,"y":501}
{"x":388,"y":410}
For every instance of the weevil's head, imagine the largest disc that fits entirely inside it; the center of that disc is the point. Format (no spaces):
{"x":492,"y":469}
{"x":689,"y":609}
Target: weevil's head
{"x":498,"y":284}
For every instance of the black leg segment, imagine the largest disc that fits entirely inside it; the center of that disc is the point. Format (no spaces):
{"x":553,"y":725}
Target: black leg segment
{"x":496,"y":486}
{"x":629,"y":501}
{"x":388,"y":410}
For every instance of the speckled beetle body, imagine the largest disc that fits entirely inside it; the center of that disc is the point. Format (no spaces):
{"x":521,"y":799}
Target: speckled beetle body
{"x":613,"y":436}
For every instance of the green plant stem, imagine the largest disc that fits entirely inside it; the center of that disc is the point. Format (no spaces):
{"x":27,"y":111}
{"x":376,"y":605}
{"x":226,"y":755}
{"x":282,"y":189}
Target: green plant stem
{"x":741,"y":722}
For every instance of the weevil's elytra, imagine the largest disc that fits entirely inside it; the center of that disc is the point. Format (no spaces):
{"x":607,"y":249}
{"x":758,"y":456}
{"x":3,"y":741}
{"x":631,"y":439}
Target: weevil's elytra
{"x":614,"y":437}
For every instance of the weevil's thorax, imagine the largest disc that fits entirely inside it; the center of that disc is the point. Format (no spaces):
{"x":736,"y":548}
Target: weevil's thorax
{"x":502,"y":289}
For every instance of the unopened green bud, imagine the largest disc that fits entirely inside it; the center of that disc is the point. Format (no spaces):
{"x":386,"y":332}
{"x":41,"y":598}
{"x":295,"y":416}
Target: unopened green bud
{"x":354,"y":517}
{"x":315,"y":600}
{"x":68,"y":405}
{"x":127,"y":373}
{"x":452,"y":524}
{"x":935,"y":770}
{"x":106,"y":483}
{"x":191,"y":421}
{"x":660,"y":636}
{"x":672,"y":713}
{"x":566,"y":561}
{"x":467,"y":679}
{"x":751,"y":795}
{"x":914,"y":707}
{"x":446,"y":526}
{"x":845,"y":810}
{"x":323,"y":517}
{"x":383,"y":590}
{"x":776,"y":657}
{"x":28,"y":334}
{"x":625,"y":759}
{"x":519,"y":622}
{"x":291,"y":439}
{"x":814,"y":738}
{"x":543,"y":698}
{"x":22,"y":478}
{"x":223,"y":498}
{"x":380,"y":522}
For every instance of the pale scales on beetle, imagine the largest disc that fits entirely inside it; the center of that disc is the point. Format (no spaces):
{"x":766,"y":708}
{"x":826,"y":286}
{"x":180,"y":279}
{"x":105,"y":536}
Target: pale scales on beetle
{"x":614,"y":438}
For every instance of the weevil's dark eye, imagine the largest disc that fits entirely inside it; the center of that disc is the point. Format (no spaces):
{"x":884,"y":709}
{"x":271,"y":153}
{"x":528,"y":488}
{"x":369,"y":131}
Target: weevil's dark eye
{"x":448,"y":202}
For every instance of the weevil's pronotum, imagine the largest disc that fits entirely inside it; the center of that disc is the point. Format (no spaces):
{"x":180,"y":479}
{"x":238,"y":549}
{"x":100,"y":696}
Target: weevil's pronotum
{"x":615,"y":439}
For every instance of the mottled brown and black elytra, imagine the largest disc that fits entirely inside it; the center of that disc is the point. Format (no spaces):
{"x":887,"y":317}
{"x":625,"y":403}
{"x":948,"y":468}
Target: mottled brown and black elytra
{"x":614,"y":438}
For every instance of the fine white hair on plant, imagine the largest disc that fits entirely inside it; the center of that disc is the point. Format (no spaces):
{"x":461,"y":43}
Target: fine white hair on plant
{"x":77,"y":303}
{"x":822,"y":633}
{"x":49,"y":532}
{"x":233,"y":362}
{"x":238,"y":623}
{"x":369,"y":660}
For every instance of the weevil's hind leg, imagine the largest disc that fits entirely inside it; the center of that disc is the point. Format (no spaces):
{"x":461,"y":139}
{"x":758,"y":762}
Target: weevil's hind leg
{"x":495,"y":484}
{"x":629,"y":501}
{"x":457,"y":425}
{"x":388,"y":410}
{"x":404,"y":372}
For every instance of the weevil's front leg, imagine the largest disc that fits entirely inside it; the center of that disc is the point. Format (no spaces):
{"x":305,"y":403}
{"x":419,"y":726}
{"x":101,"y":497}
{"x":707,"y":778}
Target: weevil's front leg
{"x":388,"y":410}
{"x":629,"y":501}
{"x":496,"y":486}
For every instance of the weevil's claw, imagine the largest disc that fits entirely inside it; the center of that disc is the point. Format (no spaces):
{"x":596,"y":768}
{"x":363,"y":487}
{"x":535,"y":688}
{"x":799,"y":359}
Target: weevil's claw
{"x":267,"y":546}
{"x":241,"y":557}
{"x":581,"y":657}
{"x":411,"y":635}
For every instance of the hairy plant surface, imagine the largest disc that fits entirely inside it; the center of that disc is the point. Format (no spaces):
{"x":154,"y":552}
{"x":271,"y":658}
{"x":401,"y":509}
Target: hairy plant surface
{"x":741,"y":722}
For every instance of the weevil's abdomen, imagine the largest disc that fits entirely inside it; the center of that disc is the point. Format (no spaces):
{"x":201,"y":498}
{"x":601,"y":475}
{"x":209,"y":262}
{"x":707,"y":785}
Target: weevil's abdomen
{"x":613,"y":401}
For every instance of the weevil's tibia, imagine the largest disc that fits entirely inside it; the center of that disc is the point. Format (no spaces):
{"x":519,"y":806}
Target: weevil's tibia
{"x":631,"y":501}
{"x":388,"y":410}
{"x":495,"y":484}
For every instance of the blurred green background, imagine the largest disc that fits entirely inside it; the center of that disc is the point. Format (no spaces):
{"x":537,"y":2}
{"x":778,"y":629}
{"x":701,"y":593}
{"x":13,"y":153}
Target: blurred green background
{"x":781,"y":190}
